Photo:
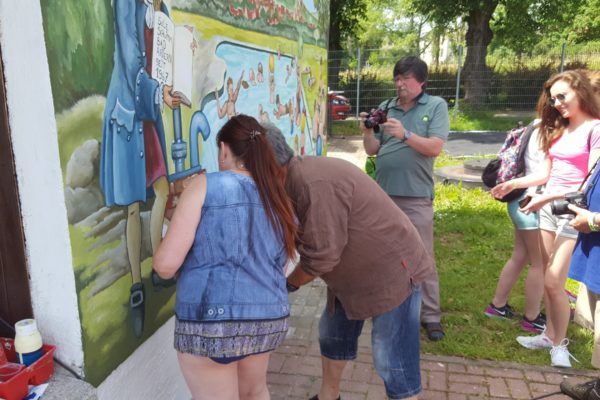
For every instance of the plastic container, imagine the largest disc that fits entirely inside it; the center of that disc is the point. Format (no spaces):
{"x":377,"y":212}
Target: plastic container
{"x":28,"y":342}
{"x":8,"y":370}
{"x":16,"y":388}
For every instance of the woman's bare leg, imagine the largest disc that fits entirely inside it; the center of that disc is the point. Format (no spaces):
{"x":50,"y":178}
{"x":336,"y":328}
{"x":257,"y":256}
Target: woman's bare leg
{"x":534,"y":283}
{"x":556,"y":277}
{"x":252,"y":377}
{"x":209,"y":380}
{"x":510,"y":271}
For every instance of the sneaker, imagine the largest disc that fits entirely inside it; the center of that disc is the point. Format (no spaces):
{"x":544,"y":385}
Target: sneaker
{"x":504,"y":312}
{"x":537,"y":325}
{"x":560,"y":355}
{"x":540,"y":341}
{"x":581,"y":391}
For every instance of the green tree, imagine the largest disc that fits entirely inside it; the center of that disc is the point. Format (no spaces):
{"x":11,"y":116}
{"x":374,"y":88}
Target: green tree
{"x":345,"y":17}
{"x":477,"y":14}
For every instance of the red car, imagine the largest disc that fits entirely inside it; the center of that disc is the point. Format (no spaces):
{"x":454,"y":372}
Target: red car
{"x":339,"y":106}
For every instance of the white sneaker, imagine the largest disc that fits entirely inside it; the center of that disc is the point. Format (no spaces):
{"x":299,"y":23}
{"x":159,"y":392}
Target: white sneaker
{"x":560,"y":355}
{"x":540,"y":341}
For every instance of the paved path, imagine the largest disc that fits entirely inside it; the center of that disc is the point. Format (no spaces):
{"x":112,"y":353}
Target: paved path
{"x":295,"y":368}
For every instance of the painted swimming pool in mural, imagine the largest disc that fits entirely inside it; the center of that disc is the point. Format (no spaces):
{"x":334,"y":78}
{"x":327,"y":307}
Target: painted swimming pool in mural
{"x":258,"y":82}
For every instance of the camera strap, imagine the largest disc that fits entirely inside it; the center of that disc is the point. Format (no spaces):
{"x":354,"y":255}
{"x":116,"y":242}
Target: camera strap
{"x":386,"y":108}
{"x":587,"y":177}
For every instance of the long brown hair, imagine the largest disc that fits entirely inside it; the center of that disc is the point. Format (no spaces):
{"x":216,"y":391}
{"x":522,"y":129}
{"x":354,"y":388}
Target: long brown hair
{"x":248,"y":142}
{"x":553,"y":124}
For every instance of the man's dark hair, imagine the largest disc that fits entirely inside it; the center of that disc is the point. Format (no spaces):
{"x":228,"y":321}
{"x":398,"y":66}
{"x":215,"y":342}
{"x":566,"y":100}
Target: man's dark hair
{"x":411,"y":65}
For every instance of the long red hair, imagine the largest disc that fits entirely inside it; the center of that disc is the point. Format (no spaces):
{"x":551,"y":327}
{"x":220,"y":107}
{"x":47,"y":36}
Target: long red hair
{"x":248,"y":141}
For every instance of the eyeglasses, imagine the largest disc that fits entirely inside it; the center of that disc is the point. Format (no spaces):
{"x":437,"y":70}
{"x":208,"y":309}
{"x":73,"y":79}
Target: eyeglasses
{"x":559,"y":97}
{"x":403,"y":78}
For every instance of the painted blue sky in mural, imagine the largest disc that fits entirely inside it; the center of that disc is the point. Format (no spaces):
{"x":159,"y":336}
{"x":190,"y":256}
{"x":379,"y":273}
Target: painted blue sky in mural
{"x":310,"y":6}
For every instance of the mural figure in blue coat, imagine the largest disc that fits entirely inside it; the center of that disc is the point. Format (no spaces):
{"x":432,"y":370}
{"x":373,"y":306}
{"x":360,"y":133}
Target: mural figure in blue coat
{"x":133,"y":162}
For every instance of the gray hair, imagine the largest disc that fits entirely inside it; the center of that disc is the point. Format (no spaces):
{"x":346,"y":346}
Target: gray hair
{"x":283,"y":152}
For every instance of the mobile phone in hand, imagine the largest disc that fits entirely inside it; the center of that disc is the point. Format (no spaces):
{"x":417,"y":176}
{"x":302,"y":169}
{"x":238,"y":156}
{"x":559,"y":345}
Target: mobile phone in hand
{"x":524,"y":201}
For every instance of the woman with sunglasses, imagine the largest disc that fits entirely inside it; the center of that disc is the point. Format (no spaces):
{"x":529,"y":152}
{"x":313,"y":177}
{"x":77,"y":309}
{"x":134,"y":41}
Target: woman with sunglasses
{"x":569,"y":134}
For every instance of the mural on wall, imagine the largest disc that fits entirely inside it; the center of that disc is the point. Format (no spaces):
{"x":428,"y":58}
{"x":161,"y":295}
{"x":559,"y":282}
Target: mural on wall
{"x":141,"y":88}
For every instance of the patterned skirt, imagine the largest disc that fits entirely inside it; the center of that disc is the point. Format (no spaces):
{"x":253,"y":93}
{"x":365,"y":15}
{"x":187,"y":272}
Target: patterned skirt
{"x":229,"y":338}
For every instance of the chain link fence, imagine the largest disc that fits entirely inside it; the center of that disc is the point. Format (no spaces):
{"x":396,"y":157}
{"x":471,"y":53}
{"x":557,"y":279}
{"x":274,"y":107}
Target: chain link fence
{"x":506,"y":82}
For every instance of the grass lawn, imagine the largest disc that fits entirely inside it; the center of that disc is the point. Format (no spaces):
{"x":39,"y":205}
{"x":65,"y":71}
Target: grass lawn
{"x":473,"y":240}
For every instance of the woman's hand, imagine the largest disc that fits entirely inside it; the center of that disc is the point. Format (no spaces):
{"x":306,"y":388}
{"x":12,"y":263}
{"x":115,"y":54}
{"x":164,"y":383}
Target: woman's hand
{"x":580,"y":222}
{"x":537,"y":201}
{"x":502,"y":189}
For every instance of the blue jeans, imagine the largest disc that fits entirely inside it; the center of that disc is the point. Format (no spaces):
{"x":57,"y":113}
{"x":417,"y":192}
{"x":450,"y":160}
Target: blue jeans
{"x":394,"y":341}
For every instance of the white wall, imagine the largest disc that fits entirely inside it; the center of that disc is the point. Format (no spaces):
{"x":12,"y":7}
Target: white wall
{"x":151,"y":372}
{"x":35,"y":147}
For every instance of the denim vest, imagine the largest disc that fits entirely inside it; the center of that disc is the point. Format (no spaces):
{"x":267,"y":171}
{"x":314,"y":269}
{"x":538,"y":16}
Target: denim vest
{"x":234,"y":270}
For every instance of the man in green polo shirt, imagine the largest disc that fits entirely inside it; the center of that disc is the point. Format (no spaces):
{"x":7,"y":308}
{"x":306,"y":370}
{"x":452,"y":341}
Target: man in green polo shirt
{"x":406,"y":146}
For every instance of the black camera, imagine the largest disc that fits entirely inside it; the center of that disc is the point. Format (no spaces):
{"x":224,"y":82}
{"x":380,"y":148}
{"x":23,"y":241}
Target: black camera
{"x":561,"y":207}
{"x":374,"y":118}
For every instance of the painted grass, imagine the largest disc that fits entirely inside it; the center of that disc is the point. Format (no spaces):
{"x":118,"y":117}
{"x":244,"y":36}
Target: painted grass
{"x":473,"y":240}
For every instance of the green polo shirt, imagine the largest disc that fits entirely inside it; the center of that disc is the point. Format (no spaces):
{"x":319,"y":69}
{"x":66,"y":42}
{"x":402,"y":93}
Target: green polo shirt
{"x":402,"y":171}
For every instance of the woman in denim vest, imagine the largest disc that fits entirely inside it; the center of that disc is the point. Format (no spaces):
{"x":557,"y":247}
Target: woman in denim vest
{"x":229,"y":241}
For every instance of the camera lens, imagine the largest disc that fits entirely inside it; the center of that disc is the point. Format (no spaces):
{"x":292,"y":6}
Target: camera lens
{"x":560,"y":207}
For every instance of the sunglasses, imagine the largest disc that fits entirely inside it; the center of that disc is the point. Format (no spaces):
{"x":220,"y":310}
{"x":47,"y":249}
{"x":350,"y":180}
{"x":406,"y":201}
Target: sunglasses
{"x":559,"y":97}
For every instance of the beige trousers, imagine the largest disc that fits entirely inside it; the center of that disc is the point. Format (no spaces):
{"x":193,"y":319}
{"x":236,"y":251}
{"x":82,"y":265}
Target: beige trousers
{"x":420,"y":212}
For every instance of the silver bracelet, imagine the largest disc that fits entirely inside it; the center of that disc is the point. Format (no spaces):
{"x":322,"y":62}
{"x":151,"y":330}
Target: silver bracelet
{"x":594,"y":227}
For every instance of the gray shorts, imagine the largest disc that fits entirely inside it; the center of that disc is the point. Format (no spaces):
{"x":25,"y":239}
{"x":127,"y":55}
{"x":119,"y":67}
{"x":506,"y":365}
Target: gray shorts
{"x":559,"y":224}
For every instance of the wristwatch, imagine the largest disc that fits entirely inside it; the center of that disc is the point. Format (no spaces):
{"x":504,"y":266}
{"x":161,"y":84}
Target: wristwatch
{"x":407,"y":135}
{"x":290,"y":288}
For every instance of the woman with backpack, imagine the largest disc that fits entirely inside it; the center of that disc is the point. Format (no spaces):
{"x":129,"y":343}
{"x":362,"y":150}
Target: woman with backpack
{"x":527,"y":244}
{"x":570,"y":135}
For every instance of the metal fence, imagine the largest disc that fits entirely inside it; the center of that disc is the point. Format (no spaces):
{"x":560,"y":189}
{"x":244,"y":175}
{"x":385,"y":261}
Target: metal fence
{"x":506,"y":82}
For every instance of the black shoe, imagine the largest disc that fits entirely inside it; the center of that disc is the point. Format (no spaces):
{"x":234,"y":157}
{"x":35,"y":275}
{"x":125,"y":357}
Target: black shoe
{"x":137,"y":298}
{"x":581,"y":391}
{"x":316,"y":397}
{"x":160,"y":283}
{"x":434,"y":330}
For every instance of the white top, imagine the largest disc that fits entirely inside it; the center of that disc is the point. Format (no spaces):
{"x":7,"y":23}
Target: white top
{"x":534,"y":156}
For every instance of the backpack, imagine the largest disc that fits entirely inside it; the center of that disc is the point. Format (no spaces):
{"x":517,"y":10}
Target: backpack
{"x":510,"y":162}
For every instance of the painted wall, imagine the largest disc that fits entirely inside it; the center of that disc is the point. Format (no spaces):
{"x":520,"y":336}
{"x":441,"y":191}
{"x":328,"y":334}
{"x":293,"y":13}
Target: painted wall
{"x":122,"y":147}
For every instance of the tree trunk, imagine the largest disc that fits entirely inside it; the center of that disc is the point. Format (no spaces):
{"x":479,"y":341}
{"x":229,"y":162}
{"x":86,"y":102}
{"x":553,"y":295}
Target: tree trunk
{"x":335,"y":50}
{"x":435,"y":45}
{"x":479,"y":35}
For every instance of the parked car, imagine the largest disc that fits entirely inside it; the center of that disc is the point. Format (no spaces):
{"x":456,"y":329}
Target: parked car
{"x":339,"y":106}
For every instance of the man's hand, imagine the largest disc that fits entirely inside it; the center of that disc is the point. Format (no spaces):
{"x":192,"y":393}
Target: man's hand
{"x":363,"y":128}
{"x":394,"y":127}
{"x":170,"y":100}
{"x":580,"y":222}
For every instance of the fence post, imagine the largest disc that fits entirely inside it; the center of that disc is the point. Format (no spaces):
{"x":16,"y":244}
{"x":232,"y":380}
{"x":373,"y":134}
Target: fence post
{"x":562,"y":57}
{"x":357,"y":81}
{"x":460,"y":50}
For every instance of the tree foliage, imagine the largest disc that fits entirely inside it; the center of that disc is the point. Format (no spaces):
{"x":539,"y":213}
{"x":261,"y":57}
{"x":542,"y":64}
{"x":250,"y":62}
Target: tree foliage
{"x":79,"y":44}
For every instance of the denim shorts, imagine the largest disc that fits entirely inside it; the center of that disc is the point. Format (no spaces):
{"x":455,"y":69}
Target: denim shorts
{"x":522,"y":221}
{"x":394,"y":341}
